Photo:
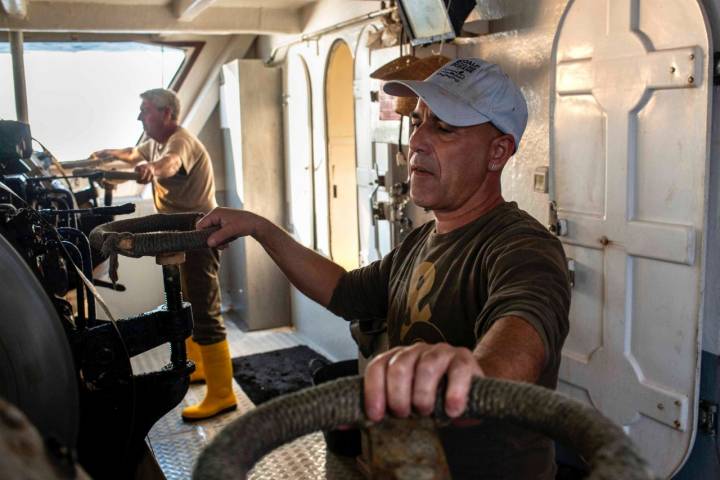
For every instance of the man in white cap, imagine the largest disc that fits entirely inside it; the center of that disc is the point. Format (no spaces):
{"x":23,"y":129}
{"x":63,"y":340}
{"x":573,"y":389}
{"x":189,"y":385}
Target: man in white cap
{"x":482,"y":290}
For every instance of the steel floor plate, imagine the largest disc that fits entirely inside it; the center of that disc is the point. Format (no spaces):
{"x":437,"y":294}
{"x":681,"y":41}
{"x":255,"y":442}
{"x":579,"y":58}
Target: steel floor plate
{"x":176,"y":444}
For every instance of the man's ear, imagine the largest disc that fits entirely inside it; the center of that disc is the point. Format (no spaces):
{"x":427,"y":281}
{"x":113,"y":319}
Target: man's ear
{"x":500,"y":150}
{"x":167,"y":115}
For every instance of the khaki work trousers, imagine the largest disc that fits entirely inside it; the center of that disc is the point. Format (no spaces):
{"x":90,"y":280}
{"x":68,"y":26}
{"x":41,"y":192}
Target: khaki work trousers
{"x":201,"y":287}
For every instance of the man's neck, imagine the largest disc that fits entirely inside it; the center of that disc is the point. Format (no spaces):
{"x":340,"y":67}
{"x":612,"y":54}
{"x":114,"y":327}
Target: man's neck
{"x":447,"y":221}
{"x":166,"y":133}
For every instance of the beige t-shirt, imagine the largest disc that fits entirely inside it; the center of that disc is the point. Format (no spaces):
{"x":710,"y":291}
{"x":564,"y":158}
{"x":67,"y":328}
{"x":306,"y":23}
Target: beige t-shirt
{"x":192,"y":188}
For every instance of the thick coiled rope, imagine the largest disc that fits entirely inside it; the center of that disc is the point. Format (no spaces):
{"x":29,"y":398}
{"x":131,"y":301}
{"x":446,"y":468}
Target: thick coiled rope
{"x":609,"y":452}
{"x":151,"y":235}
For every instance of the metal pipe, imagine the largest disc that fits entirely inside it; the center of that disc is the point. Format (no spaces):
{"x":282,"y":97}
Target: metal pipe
{"x":18,"y":63}
{"x":319,"y":33}
{"x":82,"y":243}
{"x":76,"y":258}
{"x":173,"y":291}
{"x":174,"y":303}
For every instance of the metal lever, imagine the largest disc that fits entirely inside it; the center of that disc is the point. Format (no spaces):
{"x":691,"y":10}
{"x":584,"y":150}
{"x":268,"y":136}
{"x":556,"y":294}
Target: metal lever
{"x":115,"y":210}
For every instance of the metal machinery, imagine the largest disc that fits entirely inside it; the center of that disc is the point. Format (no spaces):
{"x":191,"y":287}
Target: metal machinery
{"x":67,"y":370}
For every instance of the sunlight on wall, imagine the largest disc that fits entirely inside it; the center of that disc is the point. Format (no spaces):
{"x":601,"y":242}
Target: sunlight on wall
{"x":342,"y":181}
{"x":84,"y":96}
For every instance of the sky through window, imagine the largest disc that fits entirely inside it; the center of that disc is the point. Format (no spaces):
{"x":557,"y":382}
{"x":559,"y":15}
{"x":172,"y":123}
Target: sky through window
{"x":85,"y":96}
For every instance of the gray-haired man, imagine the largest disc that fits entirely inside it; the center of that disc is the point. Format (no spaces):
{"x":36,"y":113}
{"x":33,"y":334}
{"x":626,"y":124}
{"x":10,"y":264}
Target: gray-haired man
{"x":181,"y":172}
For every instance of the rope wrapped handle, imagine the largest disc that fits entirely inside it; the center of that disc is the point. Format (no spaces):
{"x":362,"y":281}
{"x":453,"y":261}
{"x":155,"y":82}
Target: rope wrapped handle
{"x":149,"y":236}
{"x":241,"y":444}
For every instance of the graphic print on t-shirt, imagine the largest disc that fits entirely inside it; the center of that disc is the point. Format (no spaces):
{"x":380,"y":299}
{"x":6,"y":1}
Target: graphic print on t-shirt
{"x":417,"y":326}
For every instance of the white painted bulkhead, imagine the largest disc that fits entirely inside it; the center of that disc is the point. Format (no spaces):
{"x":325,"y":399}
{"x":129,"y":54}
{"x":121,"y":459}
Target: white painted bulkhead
{"x":523,"y":50}
{"x":522,"y":43}
{"x":629,"y":156}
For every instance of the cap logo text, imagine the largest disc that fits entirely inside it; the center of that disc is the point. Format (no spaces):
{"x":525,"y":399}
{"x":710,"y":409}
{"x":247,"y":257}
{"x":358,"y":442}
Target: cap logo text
{"x":458,"y":70}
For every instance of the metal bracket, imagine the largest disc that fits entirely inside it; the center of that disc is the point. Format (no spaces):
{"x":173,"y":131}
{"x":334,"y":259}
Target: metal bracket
{"x":540,"y":179}
{"x":558,"y":226}
{"x":708,"y":418}
{"x":571,"y":271}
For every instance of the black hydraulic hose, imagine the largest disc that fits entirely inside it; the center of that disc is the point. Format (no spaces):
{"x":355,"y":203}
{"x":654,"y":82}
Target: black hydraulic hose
{"x":76,"y":258}
{"x":83,"y":244}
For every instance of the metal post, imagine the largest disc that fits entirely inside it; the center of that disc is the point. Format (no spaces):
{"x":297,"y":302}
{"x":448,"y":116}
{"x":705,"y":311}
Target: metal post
{"x":18,"y":63}
{"x":173,"y":302}
{"x":173,"y":292}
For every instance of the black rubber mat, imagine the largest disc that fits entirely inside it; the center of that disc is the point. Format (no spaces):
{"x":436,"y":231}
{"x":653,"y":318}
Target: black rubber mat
{"x":266,"y":375}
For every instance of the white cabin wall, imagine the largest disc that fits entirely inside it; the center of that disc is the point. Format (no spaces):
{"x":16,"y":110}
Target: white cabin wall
{"x":330,"y":334}
{"x":327,"y":331}
{"x":316,"y":16}
{"x":201,"y":69}
{"x":200,"y":92}
{"x":521,"y":43}
{"x":526,"y":37}
{"x":211,"y":137}
{"x":326,"y":13}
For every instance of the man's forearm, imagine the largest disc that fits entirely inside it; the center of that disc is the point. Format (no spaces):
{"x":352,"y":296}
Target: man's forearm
{"x":512,"y":349}
{"x":310,"y":272}
{"x":129,"y":155}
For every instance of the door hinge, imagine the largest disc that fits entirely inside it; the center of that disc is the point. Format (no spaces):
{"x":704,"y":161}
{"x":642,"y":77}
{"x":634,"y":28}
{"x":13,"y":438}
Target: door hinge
{"x":708,"y":418}
{"x":571,"y":271}
{"x":557,"y":226}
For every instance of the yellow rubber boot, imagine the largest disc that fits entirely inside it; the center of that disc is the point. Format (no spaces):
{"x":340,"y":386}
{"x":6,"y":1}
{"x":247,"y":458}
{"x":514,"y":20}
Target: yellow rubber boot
{"x":193,"y":353}
{"x":219,"y":397}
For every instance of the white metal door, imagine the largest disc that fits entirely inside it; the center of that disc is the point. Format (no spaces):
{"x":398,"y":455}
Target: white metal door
{"x":629,"y":154}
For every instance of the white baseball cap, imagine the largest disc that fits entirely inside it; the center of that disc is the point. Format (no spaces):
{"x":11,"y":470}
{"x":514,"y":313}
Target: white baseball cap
{"x":469,"y":91}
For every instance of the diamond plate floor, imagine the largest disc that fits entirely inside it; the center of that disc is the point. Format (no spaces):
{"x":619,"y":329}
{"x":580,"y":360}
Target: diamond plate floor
{"x":176,"y":444}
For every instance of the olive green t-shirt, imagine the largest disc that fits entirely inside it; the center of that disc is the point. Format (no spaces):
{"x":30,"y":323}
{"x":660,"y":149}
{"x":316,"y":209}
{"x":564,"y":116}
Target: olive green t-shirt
{"x":192,"y":188}
{"x":451,"y":288}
